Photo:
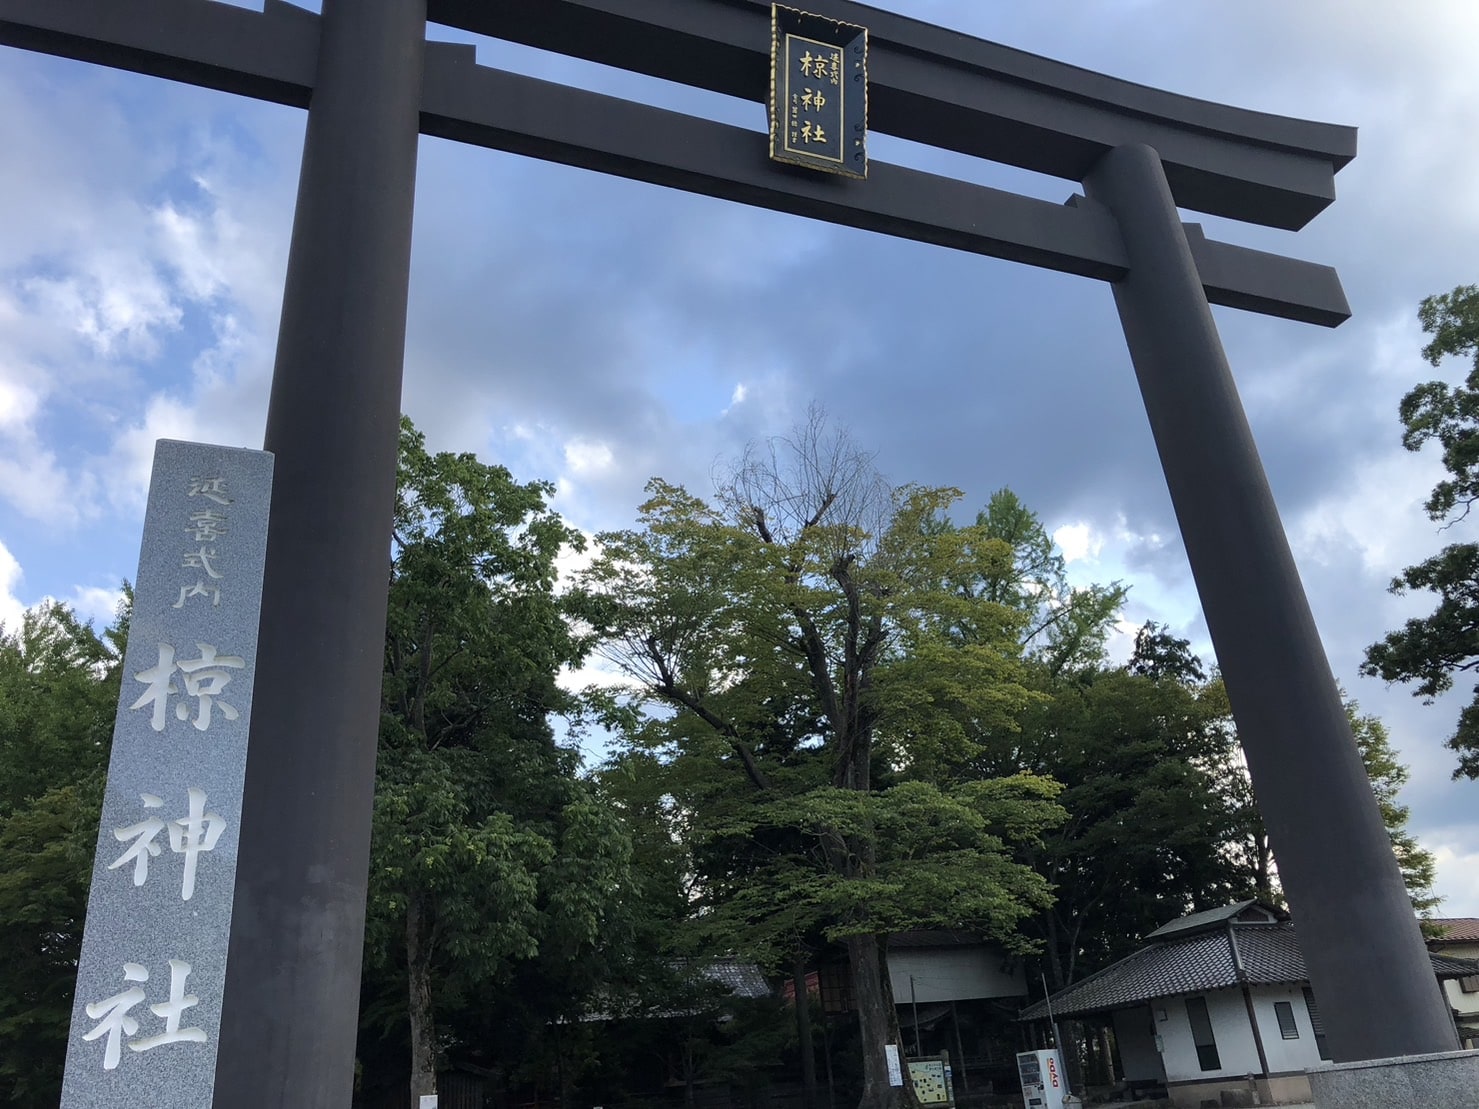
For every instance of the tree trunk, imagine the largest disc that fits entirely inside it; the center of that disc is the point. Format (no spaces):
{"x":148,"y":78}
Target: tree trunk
{"x":1055,"y":960}
{"x":423,"y":1025}
{"x":878,"y":1024}
{"x":1265,"y":876}
{"x":803,"y":1031}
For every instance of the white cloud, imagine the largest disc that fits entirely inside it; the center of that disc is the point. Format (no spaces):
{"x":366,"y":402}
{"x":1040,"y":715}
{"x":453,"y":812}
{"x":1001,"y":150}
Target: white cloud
{"x":116,"y":302}
{"x":193,"y":246}
{"x":34,"y":481}
{"x":739,"y":394}
{"x":132,"y":458}
{"x":586,"y":457}
{"x":90,"y":603}
{"x":11,"y":608}
{"x":1119,"y":646}
{"x":1373,"y":512}
{"x":156,"y":229}
{"x":1458,"y":871}
{"x":18,"y":404}
{"x":1078,"y":542}
{"x":95,"y":604}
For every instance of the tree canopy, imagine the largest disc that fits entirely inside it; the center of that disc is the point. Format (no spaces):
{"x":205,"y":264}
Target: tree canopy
{"x":496,"y":867}
{"x":1430,"y":651}
{"x":58,"y":695}
{"x":1146,"y":756}
{"x":823,"y":651}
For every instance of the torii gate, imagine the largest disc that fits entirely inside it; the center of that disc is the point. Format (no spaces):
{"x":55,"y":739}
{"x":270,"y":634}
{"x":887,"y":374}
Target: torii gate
{"x":372,"y":84}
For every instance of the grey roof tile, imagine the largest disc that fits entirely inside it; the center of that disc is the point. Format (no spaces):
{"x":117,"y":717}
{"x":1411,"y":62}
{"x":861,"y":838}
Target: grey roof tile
{"x":741,"y":979}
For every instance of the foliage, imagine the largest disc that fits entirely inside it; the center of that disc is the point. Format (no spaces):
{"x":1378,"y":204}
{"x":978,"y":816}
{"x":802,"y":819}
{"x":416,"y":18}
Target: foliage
{"x":1388,"y":775}
{"x":1429,"y":651}
{"x":1064,"y":628}
{"x":496,"y":867}
{"x":1162,"y":819}
{"x":818,"y":653}
{"x":945,"y":859}
{"x":58,"y":695}
{"x":1143,"y":753}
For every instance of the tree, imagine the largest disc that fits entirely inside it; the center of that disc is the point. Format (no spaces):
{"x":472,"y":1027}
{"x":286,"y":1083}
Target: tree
{"x":1063,"y":628}
{"x":1388,"y":775}
{"x":1431,"y":650}
{"x":1161,"y":814}
{"x":1140,"y":751}
{"x":58,"y":695}
{"x":493,"y":862}
{"x":801,"y":636}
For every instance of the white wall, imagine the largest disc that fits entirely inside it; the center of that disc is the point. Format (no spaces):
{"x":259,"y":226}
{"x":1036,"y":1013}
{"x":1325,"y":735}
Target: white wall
{"x":1133,"y":1033}
{"x":953,"y":974}
{"x":1235,"y":1048}
{"x":1463,"y":1002}
{"x":1285,"y":1055}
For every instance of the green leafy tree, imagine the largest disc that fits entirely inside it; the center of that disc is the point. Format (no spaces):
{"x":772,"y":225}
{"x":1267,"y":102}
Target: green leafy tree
{"x":1161,"y":814}
{"x":1388,"y":775}
{"x":496,"y":867}
{"x":1430,"y":651}
{"x":58,"y":696}
{"x":799,"y":641}
{"x":1063,"y":628}
{"x":1138,"y":750}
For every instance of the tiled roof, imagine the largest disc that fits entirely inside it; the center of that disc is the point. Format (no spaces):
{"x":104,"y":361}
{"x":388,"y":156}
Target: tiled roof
{"x":1446,"y":966}
{"x":1190,"y":965}
{"x":1245,"y":912}
{"x":741,"y":979}
{"x":1194,"y":921}
{"x":1270,"y":956}
{"x":1458,"y":929}
{"x":1270,"y":953}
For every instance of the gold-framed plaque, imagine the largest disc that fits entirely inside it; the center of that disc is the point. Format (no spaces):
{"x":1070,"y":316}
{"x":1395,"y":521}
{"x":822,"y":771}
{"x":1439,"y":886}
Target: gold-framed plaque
{"x":818,"y":92}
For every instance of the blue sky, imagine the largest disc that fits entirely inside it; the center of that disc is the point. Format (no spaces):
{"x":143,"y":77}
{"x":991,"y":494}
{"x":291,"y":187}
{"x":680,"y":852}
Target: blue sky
{"x":598,"y":332}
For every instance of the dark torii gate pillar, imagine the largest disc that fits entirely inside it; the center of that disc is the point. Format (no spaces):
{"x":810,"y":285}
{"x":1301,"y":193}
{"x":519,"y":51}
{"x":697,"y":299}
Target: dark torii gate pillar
{"x":1334,"y":854}
{"x":291,"y":1005}
{"x":371,"y":84}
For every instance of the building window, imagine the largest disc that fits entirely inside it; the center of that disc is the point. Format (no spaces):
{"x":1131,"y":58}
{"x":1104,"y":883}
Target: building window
{"x":1285,"y":1012}
{"x":1201,"y":1033}
{"x":1469,"y":983}
{"x":1317,"y":1026}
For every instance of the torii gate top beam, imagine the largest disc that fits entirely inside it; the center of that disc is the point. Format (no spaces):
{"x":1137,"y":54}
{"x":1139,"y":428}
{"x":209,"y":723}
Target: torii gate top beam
{"x":983,"y":88}
{"x":926,"y":83}
{"x":943,"y":88}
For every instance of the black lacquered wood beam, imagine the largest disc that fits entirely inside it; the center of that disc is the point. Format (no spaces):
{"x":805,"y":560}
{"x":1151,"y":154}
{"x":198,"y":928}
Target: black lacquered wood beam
{"x":271,"y":55}
{"x":289,"y":1019}
{"x":267,"y":55}
{"x":947,"y":89}
{"x":488,"y":107}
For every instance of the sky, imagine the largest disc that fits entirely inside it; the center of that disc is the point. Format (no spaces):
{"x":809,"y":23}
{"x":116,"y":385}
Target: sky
{"x":598,"y":332}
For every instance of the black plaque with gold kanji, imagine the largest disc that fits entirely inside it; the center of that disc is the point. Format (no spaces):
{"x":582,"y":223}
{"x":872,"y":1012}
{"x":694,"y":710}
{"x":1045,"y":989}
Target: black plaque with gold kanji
{"x":818,"y":92}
